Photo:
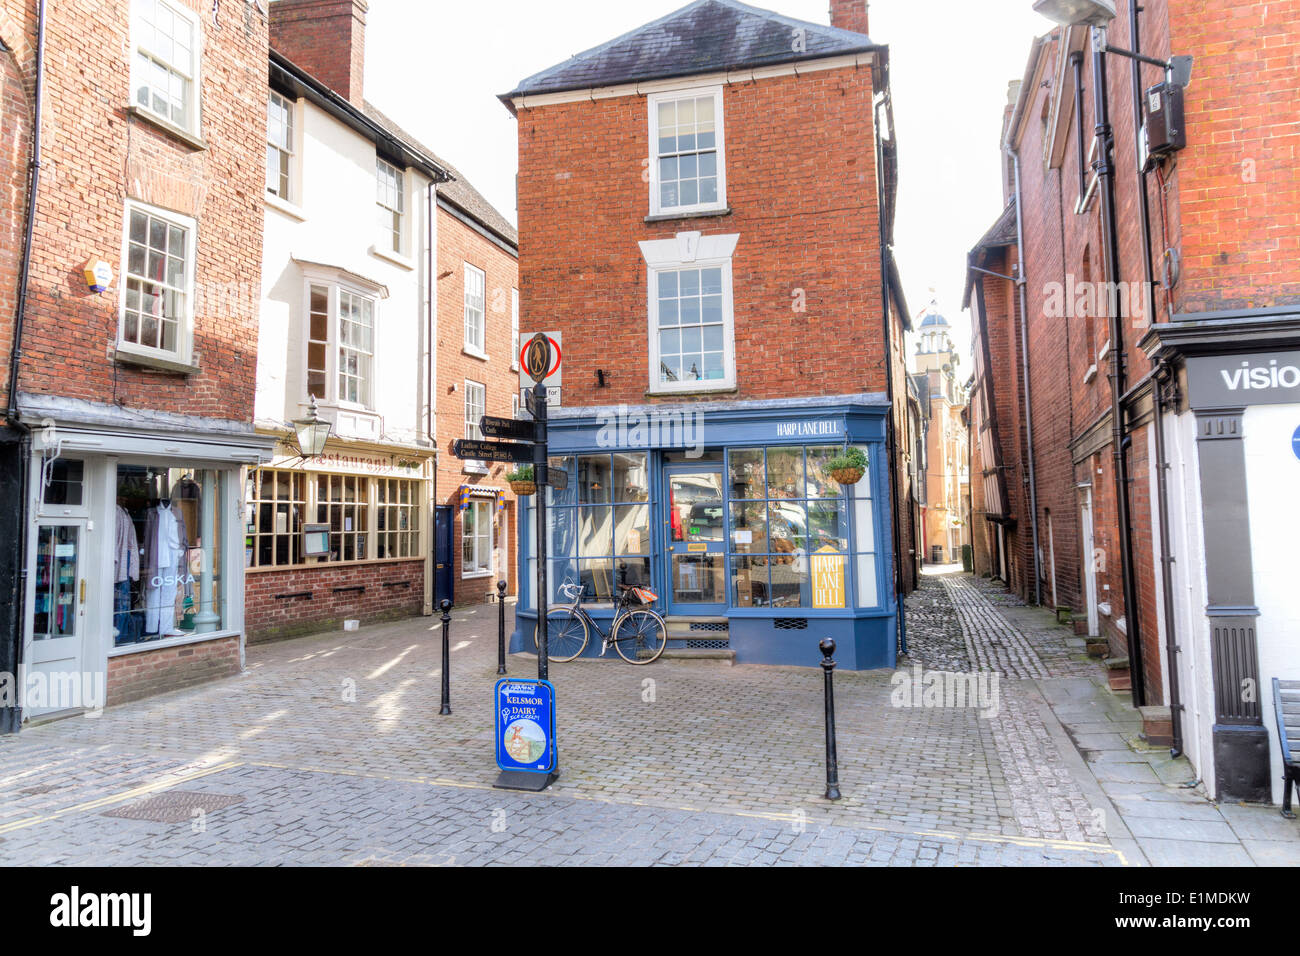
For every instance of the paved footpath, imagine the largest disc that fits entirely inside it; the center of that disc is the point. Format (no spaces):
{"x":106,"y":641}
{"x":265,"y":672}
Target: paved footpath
{"x":330,"y":750}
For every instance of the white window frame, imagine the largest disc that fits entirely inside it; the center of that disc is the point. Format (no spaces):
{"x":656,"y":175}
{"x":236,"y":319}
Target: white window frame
{"x":472,"y":431}
{"x":193,"y":102}
{"x":479,"y":350}
{"x":514,"y":330}
{"x":489,"y":506}
{"x":333,"y":288}
{"x":690,"y":250}
{"x":185,"y":325}
{"x":290,"y":196}
{"x":384,"y":241}
{"x":653,"y":100}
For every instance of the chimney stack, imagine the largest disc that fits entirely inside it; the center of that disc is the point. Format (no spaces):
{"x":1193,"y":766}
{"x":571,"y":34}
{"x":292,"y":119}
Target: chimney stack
{"x":327,"y":38}
{"x":849,"y":15}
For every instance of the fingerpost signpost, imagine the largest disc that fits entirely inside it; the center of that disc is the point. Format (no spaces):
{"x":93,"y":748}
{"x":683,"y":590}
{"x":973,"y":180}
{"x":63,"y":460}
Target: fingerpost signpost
{"x":526,"y":749}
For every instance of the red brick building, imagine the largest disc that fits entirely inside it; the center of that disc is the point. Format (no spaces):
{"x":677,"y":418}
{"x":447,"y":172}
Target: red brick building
{"x":1189,"y":328}
{"x":399,"y":336}
{"x":133,"y":392}
{"x":723,"y":342}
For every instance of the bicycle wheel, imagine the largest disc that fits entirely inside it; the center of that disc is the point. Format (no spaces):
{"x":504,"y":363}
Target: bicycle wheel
{"x":640,"y":637}
{"x":566,"y":635}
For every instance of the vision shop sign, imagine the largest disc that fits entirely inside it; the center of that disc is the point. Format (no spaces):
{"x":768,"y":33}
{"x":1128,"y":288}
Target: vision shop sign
{"x":1235,"y":381}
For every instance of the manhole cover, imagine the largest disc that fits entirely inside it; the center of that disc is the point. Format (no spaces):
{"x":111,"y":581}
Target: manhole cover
{"x":175,"y":806}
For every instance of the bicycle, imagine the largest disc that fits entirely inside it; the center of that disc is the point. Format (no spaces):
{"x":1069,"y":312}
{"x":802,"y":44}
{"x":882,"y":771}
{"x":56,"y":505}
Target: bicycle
{"x":638,"y":633}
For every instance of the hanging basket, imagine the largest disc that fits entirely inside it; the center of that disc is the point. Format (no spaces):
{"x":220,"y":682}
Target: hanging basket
{"x":523,"y":488}
{"x":847,"y":476}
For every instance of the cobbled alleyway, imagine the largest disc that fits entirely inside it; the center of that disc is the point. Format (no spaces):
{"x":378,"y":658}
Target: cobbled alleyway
{"x":330,"y":750}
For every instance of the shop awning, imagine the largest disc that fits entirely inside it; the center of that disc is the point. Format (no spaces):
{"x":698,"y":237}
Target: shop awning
{"x":467,"y":492}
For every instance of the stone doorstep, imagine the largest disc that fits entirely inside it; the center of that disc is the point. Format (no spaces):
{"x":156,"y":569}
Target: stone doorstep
{"x":699,"y":654}
{"x":1157,"y":726}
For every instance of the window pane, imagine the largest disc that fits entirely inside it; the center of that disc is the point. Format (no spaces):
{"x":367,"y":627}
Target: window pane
{"x":630,"y":480}
{"x":632,"y":529}
{"x":595,"y":531}
{"x":785,"y":477}
{"x":820,"y":483}
{"x":593,"y":480}
{"x":828,"y":525}
{"x":747,"y":474}
{"x":749,"y":528}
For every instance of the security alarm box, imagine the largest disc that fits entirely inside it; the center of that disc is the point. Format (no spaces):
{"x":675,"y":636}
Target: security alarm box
{"x":1164,"y":131}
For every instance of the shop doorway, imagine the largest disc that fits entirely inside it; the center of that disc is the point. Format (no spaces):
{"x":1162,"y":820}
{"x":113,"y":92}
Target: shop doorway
{"x":56,"y":679}
{"x":695,"y":533}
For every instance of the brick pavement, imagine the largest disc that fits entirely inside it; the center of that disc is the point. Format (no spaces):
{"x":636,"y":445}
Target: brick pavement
{"x":701,"y":751}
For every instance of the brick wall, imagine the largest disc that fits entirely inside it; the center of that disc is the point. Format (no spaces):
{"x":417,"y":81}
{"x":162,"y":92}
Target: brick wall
{"x":15,"y":151}
{"x":135,"y":676}
{"x":293,"y":601}
{"x":96,"y":155}
{"x":801,"y":184}
{"x":459,"y":244}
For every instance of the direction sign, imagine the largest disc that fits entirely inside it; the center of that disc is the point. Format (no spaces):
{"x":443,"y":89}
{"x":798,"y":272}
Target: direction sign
{"x":491,"y":451}
{"x":507,"y":428}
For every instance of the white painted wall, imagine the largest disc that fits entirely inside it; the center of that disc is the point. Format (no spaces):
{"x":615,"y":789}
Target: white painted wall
{"x":1273,"y":490}
{"x":333,"y":220}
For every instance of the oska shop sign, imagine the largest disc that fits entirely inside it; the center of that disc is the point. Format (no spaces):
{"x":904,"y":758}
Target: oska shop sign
{"x":1235,"y":381}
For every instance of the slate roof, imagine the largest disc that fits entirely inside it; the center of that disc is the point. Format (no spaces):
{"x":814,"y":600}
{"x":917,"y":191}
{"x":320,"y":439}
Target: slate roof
{"x":459,"y":191}
{"x":707,"y":36}
{"x":1000,"y":235}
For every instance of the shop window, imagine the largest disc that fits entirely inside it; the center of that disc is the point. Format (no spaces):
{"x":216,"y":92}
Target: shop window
{"x":789,"y":529}
{"x":165,"y":64}
{"x":64,"y":482}
{"x":157,"y":295}
{"x":476,"y":538}
{"x":168,"y":554}
{"x":343,"y":503}
{"x":340,"y":345}
{"x":600,"y":522}
{"x":277,"y":504}
{"x":397,"y":518}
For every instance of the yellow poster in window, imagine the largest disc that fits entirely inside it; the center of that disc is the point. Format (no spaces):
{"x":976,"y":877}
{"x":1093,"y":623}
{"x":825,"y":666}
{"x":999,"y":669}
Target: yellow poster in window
{"x":827,"y":578}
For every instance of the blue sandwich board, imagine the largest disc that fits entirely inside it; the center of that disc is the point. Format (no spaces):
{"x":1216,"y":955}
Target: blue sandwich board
{"x":525,"y":725}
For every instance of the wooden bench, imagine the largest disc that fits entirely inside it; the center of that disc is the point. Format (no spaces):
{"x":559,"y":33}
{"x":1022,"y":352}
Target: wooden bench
{"x":1286,"y":700}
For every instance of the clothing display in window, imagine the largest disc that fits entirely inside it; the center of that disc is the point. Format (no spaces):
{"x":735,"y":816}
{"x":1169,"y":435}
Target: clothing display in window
{"x":126,"y":548}
{"x":165,"y":544}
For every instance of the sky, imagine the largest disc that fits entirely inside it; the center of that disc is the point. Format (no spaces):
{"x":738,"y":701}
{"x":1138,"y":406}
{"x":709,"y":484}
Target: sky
{"x":437,"y":66}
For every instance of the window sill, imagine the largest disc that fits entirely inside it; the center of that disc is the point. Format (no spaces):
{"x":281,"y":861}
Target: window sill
{"x":471,"y":467}
{"x":693,"y":214}
{"x":144,"y":647}
{"x":474,"y":353}
{"x":153,"y":119}
{"x":691,"y":392}
{"x":475,"y":574}
{"x":327,"y":565}
{"x":286,"y":207}
{"x":1089,"y":375}
{"x":156,"y":362}
{"x":397,"y":259}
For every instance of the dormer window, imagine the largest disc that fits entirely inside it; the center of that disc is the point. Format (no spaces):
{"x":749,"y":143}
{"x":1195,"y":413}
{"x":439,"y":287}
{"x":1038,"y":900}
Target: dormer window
{"x":687,"y":168}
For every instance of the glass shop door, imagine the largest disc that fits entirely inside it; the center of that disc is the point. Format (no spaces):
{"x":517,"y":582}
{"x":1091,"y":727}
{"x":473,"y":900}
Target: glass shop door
{"x":695,"y":531}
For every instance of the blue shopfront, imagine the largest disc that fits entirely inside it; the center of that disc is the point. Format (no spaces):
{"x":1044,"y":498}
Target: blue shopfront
{"x":728,"y":512}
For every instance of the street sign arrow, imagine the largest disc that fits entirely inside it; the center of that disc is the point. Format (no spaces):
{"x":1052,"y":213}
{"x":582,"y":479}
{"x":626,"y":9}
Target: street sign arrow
{"x":491,"y":451}
{"x":507,"y":428}
{"x":531,"y":402}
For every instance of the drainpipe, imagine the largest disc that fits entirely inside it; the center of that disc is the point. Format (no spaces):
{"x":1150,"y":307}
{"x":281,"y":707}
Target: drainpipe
{"x":1162,"y":463}
{"x":1021,"y":282}
{"x":1105,"y":167}
{"x":19,"y":546}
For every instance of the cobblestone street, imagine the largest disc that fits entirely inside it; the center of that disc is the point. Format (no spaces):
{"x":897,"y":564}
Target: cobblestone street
{"x":685,"y":761}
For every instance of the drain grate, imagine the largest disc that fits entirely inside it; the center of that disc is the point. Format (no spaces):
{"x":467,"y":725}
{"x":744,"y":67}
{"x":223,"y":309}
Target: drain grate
{"x":709,"y":625}
{"x":175,"y":806}
{"x":791,"y":623}
{"x":704,"y":645}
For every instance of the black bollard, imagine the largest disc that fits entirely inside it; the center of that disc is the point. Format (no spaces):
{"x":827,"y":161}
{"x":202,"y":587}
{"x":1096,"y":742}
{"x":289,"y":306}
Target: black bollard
{"x":446,"y":657}
{"x":832,"y":762}
{"x":501,"y":627}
